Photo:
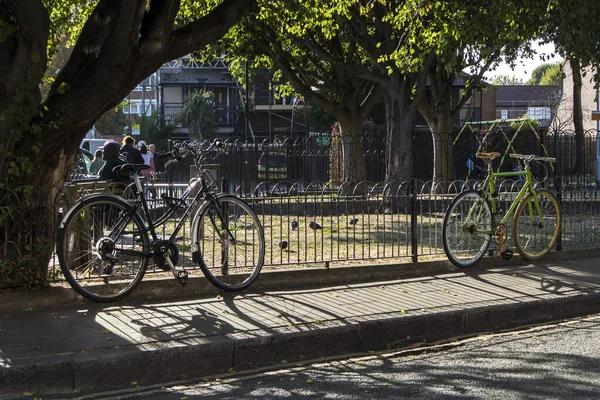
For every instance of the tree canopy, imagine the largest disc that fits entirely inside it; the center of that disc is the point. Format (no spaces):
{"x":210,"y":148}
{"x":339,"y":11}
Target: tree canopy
{"x":553,"y":75}
{"x":546,"y":74}
{"x":507,"y":80}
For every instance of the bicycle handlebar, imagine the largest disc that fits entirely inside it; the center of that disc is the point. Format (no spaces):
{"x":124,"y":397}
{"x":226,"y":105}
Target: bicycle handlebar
{"x":181,"y":150}
{"x":532,"y":157}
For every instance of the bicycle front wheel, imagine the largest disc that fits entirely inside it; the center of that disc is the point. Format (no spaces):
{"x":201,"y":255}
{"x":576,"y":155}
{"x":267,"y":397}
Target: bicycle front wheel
{"x":230,"y":243}
{"x":535,"y":233}
{"x":467,"y":229}
{"x":103,"y":248}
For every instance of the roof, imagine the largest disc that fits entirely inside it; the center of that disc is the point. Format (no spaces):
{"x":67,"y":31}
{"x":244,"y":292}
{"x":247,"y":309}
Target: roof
{"x":196,"y":76}
{"x":528,"y":95}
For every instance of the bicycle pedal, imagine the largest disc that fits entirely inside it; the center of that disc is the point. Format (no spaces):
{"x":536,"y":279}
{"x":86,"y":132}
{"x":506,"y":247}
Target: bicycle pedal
{"x":507,"y":254}
{"x":182,"y":277}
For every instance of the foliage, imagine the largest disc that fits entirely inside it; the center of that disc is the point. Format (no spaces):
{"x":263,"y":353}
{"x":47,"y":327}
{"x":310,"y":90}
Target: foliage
{"x":198,"y":114}
{"x":304,"y":41}
{"x":553,"y":76}
{"x":319,"y":119}
{"x":525,"y":122}
{"x":550,"y":73}
{"x":573,"y":26}
{"x":507,"y":80}
{"x":111,"y":122}
{"x":153,"y":132}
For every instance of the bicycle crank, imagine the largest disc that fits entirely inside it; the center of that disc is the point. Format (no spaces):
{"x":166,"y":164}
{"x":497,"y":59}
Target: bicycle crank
{"x":164,"y":250}
{"x":180,"y":275}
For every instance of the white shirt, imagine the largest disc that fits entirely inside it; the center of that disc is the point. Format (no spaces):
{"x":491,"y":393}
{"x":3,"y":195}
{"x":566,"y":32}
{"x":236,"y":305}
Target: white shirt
{"x":147,"y":158}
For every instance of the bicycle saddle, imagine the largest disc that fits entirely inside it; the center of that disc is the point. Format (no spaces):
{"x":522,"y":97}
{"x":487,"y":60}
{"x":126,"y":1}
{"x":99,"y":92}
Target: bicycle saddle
{"x":489,"y":156}
{"x":130,"y":168}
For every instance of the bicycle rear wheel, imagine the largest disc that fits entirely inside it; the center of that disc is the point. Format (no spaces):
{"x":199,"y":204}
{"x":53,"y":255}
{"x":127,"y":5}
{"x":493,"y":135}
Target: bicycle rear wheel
{"x":467,"y":229}
{"x":535,"y":234}
{"x":102,"y":247}
{"x":230,"y":251}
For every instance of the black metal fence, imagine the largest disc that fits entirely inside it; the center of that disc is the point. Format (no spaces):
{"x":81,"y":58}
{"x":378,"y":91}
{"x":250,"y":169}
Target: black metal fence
{"x":372,"y":221}
{"x":247,"y":165}
{"x":388,"y":222}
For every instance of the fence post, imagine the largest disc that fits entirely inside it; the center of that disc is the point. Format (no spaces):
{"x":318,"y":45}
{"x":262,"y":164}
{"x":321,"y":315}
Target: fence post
{"x":224,"y":185}
{"x":558,"y":186}
{"x":413,"y":221}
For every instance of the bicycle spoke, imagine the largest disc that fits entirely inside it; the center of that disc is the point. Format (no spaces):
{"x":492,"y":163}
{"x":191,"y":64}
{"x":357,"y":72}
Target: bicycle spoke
{"x":231,"y":243}
{"x":103,"y":251}
{"x":536,"y":224}
{"x":467,"y":229}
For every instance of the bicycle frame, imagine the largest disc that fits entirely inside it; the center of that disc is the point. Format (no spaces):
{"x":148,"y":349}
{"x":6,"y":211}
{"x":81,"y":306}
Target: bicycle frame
{"x":490,"y":194}
{"x":149,"y":224}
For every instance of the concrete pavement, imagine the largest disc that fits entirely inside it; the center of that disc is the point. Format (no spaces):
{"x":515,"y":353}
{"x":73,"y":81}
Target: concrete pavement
{"x":75,"y":345}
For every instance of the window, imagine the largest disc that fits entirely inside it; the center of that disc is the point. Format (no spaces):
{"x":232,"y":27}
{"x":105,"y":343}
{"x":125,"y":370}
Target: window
{"x":139,"y":108}
{"x":540,"y":113}
{"x":147,"y":84}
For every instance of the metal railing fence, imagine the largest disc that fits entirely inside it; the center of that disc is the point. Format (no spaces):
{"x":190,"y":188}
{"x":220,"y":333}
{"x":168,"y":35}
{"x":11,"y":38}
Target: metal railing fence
{"x":369,"y":221}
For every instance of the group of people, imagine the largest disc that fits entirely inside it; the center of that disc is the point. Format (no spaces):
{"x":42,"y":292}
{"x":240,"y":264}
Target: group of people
{"x":113,"y":154}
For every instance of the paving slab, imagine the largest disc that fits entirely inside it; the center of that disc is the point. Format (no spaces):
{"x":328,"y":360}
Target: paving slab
{"x":86,"y":346}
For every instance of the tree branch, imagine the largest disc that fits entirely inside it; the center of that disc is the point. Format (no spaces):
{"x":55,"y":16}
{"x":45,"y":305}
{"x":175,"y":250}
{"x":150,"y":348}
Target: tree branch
{"x":475,"y":81}
{"x":370,"y":101}
{"x":209,"y":28}
{"x":157,"y":26}
{"x":23,"y":57}
{"x":105,"y":40}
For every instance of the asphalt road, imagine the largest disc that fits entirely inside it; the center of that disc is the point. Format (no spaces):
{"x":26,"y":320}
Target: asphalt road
{"x":557,"y":361}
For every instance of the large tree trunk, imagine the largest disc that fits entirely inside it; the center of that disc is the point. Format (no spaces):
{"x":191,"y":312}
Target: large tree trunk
{"x":400,"y":113}
{"x":438,"y":111}
{"x":349,"y":154}
{"x":32,"y":196}
{"x":398,"y":148}
{"x":398,"y":154}
{"x":440,"y":124}
{"x":578,"y":118}
{"x":346,"y":157}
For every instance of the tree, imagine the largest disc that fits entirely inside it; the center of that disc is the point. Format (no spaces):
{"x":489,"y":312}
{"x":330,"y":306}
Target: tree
{"x":389,"y":33}
{"x":198,"y":113}
{"x":573,"y":26}
{"x":111,"y":122}
{"x":553,"y":76}
{"x":551,"y":71}
{"x":116,"y":44}
{"x":152,"y":131}
{"x":306,"y":42}
{"x":467,"y":36}
{"x":507,"y":80}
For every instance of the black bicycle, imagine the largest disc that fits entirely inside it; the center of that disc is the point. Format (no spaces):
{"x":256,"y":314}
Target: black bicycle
{"x":105,"y":242}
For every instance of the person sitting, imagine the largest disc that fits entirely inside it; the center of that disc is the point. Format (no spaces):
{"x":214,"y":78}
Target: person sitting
{"x":111,"y":157}
{"x":148,"y":160}
{"x":159,"y":164}
{"x":132,"y":154}
{"x":97,"y":162}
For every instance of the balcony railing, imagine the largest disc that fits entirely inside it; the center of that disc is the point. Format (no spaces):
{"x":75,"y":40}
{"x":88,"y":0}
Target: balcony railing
{"x":224,"y":115}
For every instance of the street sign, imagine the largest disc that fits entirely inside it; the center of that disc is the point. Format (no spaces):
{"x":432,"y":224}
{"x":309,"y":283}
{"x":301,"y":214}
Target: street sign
{"x":135,"y":129}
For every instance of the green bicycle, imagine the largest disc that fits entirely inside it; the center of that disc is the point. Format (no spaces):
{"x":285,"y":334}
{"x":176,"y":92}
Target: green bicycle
{"x":471,"y":220}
